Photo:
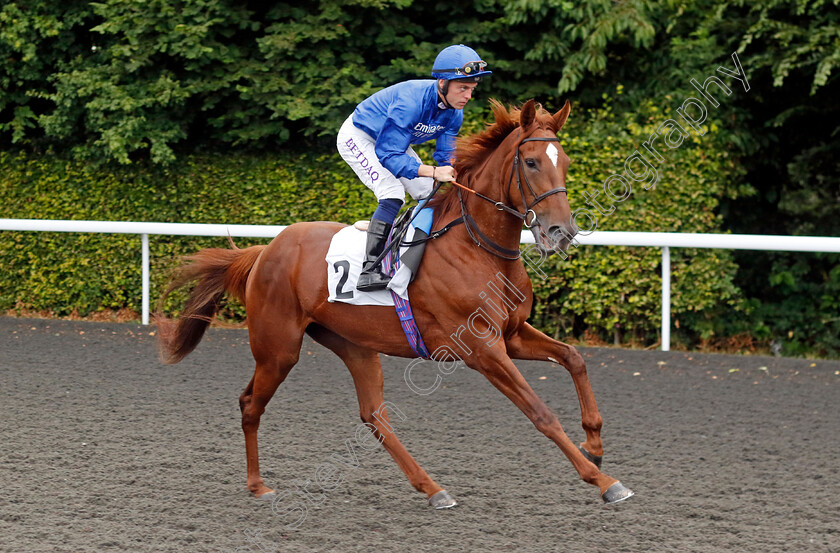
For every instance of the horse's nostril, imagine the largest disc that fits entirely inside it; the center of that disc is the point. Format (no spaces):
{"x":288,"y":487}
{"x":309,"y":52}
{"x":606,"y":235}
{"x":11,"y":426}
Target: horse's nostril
{"x":561,"y":235}
{"x":557,"y":232}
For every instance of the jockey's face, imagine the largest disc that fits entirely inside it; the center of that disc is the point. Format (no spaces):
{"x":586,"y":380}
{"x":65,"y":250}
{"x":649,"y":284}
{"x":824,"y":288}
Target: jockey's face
{"x":460,"y":92}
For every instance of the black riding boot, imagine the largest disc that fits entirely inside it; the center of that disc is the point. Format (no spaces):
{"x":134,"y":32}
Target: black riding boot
{"x":372,"y":277}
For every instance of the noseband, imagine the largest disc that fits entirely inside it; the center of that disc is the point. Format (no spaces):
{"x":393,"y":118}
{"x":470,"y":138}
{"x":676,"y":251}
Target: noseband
{"x":519,"y":172}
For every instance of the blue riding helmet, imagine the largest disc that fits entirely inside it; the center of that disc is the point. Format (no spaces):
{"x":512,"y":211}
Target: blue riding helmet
{"x":459,"y":62}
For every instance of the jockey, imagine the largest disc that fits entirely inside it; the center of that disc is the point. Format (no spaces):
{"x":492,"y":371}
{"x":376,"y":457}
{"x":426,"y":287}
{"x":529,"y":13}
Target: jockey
{"x":376,"y":142}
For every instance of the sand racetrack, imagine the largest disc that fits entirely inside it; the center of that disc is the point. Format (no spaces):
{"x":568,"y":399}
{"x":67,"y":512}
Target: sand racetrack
{"x":103,"y":449}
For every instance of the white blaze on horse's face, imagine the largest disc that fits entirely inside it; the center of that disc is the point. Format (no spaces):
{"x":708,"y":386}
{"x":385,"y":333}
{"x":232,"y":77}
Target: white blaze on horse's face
{"x":552,"y":153}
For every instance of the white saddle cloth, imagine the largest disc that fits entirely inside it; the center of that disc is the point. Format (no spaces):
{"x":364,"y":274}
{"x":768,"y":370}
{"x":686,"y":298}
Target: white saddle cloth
{"x":344,"y":264}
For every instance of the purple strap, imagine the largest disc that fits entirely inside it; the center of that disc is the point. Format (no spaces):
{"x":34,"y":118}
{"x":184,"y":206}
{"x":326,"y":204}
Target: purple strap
{"x":409,"y":325}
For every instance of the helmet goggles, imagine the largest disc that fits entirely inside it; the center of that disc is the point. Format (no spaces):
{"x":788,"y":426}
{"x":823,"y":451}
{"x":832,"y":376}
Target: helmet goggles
{"x":467,"y":70}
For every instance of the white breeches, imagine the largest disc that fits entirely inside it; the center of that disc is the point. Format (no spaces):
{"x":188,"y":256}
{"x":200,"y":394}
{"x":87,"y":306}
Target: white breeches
{"x":357,"y":149}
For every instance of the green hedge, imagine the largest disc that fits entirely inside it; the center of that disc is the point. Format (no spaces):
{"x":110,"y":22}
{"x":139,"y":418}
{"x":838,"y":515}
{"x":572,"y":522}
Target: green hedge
{"x":614,"y":292}
{"x":84,"y":273}
{"x":608,"y":292}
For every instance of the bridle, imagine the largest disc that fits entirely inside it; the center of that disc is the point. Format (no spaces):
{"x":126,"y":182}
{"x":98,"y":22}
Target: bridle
{"x":475,"y":233}
{"x":516,"y":169}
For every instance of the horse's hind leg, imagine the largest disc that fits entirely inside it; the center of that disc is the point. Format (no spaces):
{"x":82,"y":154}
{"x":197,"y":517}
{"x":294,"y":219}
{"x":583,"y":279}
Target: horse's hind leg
{"x":270,"y":372}
{"x":366,"y":369}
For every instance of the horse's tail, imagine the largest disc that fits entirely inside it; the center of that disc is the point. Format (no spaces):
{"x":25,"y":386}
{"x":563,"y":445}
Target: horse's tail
{"x":214,"y":271}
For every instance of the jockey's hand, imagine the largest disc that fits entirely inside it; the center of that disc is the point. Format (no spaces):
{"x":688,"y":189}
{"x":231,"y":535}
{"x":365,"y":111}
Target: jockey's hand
{"x":445,"y":173}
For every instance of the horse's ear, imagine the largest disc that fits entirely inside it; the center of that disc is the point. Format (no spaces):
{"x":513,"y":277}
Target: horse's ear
{"x":561,"y":116}
{"x":527,"y":114}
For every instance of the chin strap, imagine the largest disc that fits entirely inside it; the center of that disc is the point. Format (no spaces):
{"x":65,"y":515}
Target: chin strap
{"x":443,"y":90}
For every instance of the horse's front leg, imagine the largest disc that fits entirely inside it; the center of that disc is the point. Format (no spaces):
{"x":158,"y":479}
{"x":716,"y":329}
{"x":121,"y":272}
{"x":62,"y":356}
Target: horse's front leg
{"x":497,"y":367}
{"x":530,"y":343}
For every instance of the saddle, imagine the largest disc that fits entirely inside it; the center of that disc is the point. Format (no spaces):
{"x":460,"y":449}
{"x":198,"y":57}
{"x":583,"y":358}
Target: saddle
{"x":403,"y":254}
{"x":404,"y":250}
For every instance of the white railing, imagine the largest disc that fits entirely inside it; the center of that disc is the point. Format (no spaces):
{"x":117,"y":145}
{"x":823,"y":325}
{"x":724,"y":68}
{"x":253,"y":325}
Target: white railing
{"x":144,"y":230}
{"x":664,"y":240}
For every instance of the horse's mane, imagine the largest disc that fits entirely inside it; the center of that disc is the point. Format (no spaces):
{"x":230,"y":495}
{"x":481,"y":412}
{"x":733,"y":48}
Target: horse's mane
{"x":471,"y":151}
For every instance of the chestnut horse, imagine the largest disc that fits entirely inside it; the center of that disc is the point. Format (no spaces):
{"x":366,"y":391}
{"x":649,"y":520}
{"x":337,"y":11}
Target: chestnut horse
{"x":515,"y":172}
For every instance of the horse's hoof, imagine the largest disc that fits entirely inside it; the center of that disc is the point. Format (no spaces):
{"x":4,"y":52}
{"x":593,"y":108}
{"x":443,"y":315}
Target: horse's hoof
{"x":442,"y":500}
{"x":615,"y":493}
{"x":267,"y":496}
{"x":596,"y":459}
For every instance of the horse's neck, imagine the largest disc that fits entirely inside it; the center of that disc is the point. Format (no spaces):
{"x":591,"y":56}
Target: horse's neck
{"x":492,"y":180}
{"x":499,"y":226}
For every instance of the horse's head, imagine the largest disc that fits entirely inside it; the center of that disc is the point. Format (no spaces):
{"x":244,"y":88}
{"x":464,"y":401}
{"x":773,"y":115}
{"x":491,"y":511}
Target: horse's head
{"x":537,"y":179}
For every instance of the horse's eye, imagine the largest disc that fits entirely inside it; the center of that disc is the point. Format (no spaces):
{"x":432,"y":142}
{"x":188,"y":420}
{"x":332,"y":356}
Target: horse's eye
{"x":531,"y":163}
